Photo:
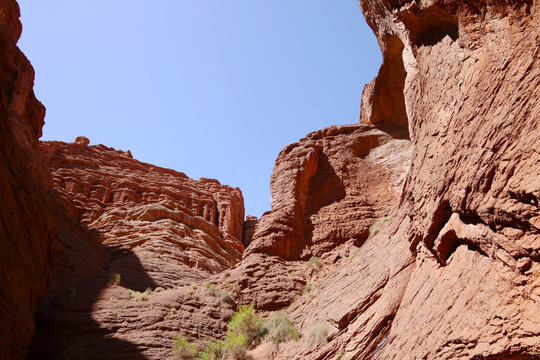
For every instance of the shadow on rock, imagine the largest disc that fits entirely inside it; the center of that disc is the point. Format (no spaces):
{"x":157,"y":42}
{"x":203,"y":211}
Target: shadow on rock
{"x":65,"y":324}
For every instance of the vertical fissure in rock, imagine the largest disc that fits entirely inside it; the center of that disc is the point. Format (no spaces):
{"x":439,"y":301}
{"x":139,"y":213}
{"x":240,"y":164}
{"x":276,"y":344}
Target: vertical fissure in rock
{"x":216,"y":215}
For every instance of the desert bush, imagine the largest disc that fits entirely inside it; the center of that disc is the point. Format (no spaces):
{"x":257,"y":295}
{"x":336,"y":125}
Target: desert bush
{"x":279,"y":329}
{"x":213,"y":351}
{"x":225,"y":296}
{"x":234,"y":288}
{"x":140,"y":296}
{"x":314,"y":263}
{"x":235,"y":346}
{"x":316,"y":335}
{"x":306,"y":289}
{"x":114,"y":279}
{"x":183,"y":349}
{"x":248,"y":323}
{"x":210,"y":289}
{"x":377,"y":225}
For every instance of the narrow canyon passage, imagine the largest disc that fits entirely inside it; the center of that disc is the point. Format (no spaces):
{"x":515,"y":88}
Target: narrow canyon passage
{"x":414,"y":234}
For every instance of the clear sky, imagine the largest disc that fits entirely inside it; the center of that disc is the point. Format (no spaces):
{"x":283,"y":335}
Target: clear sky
{"x":211,"y":88}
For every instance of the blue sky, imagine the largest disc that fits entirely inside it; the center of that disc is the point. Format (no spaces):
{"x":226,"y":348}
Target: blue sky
{"x":211,"y":88}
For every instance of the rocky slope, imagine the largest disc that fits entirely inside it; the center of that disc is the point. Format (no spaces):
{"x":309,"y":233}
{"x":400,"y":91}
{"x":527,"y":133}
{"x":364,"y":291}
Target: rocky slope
{"x":126,"y":226}
{"x":27,"y":228}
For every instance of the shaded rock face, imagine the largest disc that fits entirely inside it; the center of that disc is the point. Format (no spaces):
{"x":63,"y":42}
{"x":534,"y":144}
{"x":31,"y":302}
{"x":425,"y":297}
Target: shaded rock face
{"x":129,"y":226}
{"x":249,"y":229}
{"x":28,"y":232}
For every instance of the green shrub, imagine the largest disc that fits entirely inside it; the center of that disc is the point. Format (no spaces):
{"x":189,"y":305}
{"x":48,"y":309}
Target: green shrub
{"x":317,"y":335}
{"x":140,"y":296}
{"x":212,"y":351}
{"x":114,"y":279}
{"x":306,"y":289}
{"x":314,"y":263}
{"x":248,"y":323}
{"x":377,"y":225}
{"x":183,"y":349}
{"x":279,"y":329}
{"x":235,"y":346}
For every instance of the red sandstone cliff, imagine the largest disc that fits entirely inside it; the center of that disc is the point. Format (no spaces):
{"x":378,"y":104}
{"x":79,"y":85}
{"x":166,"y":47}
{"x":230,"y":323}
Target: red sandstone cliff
{"x":27,"y":227}
{"x":146,"y":227}
{"x":425,"y":216}
{"x":455,"y":275}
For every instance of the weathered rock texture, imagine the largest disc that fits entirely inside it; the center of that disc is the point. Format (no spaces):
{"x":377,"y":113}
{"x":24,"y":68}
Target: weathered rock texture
{"x":456,"y":273}
{"x":126,"y":225}
{"x":327,"y":190}
{"x":27,"y":227}
{"x":425,"y":216}
{"x":148,"y":210}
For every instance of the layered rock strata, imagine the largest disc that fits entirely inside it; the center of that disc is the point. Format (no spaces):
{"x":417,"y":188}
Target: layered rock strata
{"x":126,"y":226}
{"x":329,"y":188}
{"x":330,"y":192}
{"x":147,"y":210}
{"x":28,"y":231}
{"x":425,"y":216}
{"x":455,"y":274}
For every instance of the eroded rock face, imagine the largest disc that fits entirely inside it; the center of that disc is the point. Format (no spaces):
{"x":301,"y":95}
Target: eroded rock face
{"x":129,"y":226}
{"x":329,"y":188}
{"x":148,"y":210}
{"x":327,"y":191}
{"x":425,"y":216}
{"x":28,"y":232}
{"x":455,"y":274}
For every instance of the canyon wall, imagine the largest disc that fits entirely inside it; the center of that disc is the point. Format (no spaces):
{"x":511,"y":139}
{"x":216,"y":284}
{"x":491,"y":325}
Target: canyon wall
{"x":126,"y":226}
{"x":28,"y":231}
{"x":327,"y":191}
{"x":424,"y":217}
{"x":455,"y":274}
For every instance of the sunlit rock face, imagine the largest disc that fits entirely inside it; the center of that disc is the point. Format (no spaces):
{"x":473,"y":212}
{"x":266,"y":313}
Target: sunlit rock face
{"x":138,"y":207}
{"x":28,"y":232}
{"x":424,"y":216}
{"x":455,"y":274}
{"x":327,"y":191}
{"x":330,"y":187}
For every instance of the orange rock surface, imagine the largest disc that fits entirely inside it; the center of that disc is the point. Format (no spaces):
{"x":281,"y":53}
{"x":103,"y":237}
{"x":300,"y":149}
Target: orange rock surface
{"x":327,"y":191}
{"x":140,"y":208}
